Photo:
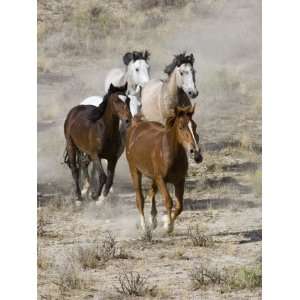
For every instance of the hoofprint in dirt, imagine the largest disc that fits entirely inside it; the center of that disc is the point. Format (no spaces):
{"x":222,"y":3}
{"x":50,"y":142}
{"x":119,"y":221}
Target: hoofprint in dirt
{"x":220,"y":198}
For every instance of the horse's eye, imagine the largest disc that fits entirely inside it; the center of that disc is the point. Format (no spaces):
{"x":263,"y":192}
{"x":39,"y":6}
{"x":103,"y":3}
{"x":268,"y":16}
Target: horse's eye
{"x":181,"y":73}
{"x":137,"y":69}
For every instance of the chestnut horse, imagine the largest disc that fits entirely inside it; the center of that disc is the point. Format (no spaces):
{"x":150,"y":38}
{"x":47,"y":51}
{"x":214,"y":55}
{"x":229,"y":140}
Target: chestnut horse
{"x":159,"y":153}
{"x":95,"y":132}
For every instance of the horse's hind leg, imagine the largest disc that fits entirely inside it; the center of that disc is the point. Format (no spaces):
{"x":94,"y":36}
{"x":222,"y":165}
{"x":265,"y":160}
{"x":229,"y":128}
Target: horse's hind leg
{"x":179,"y":190}
{"x":152,"y":193}
{"x":84,"y":164}
{"x":169,"y":225}
{"x":137,"y":185}
{"x":71,"y":150}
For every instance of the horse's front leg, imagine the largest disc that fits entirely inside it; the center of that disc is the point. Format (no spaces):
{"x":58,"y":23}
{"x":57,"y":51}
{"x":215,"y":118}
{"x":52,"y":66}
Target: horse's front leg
{"x":111,"y":166}
{"x":179,"y":191}
{"x":102,"y":177}
{"x":169,"y":225}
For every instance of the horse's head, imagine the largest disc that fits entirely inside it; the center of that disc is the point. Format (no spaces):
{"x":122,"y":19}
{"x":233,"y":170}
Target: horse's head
{"x":138,"y":69}
{"x":120,"y":103}
{"x":186,"y":131}
{"x":183,"y":65}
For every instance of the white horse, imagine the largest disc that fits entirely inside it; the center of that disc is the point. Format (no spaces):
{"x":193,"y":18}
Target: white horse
{"x":159,"y":98}
{"x":136,"y":72}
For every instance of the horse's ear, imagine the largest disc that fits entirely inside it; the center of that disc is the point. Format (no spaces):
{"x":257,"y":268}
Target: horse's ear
{"x":146,"y":55}
{"x":112,"y":89}
{"x":135,"y":55}
{"x":177,"y":60}
{"x":192,"y":59}
{"x":127,"y":58}
{"x":127,"y":100}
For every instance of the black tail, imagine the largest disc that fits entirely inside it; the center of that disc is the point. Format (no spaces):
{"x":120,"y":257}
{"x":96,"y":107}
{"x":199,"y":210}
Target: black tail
{"x":66,"y":158}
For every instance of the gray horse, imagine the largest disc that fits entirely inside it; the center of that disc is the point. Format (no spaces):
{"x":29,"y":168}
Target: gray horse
{"x":136,"y":72}
{"x":159,"y":98}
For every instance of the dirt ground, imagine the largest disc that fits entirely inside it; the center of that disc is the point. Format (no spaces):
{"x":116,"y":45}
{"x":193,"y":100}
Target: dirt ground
{"x":222,"y":194}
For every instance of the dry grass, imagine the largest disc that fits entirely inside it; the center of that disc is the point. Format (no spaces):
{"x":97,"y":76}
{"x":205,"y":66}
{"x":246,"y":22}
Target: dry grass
{"x":198,"y":238}
{"x":227,"y":280}
{"x":88,"y":256}
{"x":203,"y":277}
{"x":97,"y":254}
{"x":42,"y":261}
{"x":244,"y":278}
{"x":69,"y":274}
{"x":257,"y":183}
{"x":41,"y":224}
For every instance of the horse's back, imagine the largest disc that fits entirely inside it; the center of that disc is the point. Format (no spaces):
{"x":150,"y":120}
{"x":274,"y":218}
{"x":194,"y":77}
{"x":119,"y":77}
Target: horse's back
{"x":114,"y":76}
{"x":150,"y":100}
{"x":93,"y":100}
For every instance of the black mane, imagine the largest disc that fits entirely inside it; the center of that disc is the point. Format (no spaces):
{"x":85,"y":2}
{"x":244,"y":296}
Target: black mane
{"x":135,"y":55}
{"x":178,"y":60}
{"x":98,"y":111}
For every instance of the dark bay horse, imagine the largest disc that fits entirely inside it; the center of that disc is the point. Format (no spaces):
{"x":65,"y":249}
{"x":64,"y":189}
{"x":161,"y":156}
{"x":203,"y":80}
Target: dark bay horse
{"x":95,"y":132}
{"x":159,"y":153}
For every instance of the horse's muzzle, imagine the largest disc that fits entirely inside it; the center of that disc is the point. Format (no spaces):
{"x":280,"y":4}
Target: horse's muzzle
{"x":198,"y":157}
{"x":193,"y":94}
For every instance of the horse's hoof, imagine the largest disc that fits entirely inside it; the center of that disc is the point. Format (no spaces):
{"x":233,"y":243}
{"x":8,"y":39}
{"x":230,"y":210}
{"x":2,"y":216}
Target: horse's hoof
{"x":78,"y":203}
{"x":85,"y":190}
{"x":168,"y":225}
{"x":101,"y":200}
{"x":111,"y":190}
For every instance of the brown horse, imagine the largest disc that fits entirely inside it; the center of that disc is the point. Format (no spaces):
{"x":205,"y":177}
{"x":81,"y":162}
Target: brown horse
{"x":95,"y":132}
{"x":159,"y":153}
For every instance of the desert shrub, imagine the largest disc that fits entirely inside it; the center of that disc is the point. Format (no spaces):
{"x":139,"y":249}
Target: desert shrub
{"x":202,"y":277}
{"x":95,"y":254}
{"x":198,"y":239}
{"x":132,"y":284}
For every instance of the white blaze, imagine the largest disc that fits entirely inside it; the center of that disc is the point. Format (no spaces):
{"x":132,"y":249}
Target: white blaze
{"x":191,"y":130}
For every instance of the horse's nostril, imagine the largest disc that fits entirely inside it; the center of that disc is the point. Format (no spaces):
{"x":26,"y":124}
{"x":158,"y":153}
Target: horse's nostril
{"x":192,"y":151}
{"x":190,"y":93}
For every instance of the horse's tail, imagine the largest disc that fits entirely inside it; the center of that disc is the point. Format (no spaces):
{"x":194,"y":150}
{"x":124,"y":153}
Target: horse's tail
{"x":66,"y":158}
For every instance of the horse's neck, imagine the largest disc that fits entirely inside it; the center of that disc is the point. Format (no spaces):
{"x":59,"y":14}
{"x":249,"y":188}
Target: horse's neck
{"x":172,"y":89}
{"x":172,"y":143}
{"x":183,"y":99}
{"x":169,"y":97}
{"x":131,"y":85}
{"x":110,"y":120}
